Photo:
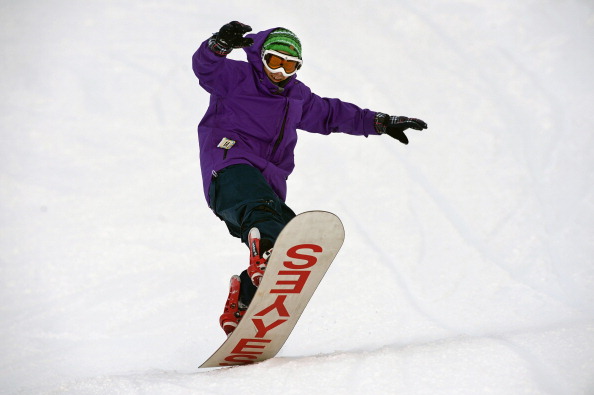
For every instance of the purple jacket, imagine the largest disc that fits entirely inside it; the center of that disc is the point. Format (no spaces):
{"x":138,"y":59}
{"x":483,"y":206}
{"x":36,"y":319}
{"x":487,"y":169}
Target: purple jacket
{"x":262,"y":118}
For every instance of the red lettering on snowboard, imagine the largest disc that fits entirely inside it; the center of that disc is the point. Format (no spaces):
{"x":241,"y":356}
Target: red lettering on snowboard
{"x":246,"y":351}
{"x":278,"y":305}
{"x":281,"y":310}
{"x":239,"y":360}
{"x":310,"y":259}
{"x":297,"y":284}
{"x":263,"y":330}
{"x":244,"y":345}
{"x":288,"y":282}
{"x":302,"y":275}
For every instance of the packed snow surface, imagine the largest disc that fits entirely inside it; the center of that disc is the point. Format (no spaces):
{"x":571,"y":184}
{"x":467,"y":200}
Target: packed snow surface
{"x":468,"y":265}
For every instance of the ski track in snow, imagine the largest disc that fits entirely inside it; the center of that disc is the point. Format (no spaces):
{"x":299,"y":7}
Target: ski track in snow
{"x":467,"y":265}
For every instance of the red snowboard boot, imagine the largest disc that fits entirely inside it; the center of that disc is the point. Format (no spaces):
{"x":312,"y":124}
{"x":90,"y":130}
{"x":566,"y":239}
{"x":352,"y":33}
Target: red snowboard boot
{"x":234,"y":309}
{"x":260,"y":250}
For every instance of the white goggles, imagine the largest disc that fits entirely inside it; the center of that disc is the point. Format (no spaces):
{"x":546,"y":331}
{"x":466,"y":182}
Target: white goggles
{"x":276,"y":62}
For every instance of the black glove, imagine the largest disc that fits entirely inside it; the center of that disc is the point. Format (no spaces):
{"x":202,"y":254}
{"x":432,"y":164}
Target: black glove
{"x":229,"y":37}
{"x":395,"y":126}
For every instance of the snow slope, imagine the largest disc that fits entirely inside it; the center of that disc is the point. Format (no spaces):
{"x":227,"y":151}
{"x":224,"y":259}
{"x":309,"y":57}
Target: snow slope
{"x":468,"y":263}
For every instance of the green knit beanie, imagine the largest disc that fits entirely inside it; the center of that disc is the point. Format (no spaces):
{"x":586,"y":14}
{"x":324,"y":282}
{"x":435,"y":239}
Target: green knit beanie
{"x":285,"y":40}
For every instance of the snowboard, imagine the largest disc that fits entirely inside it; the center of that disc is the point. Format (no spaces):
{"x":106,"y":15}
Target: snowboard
{"x":301,"y":256}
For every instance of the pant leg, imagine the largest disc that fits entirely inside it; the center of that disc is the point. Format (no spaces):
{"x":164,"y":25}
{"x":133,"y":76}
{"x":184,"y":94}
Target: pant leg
{"x":241,"y":197}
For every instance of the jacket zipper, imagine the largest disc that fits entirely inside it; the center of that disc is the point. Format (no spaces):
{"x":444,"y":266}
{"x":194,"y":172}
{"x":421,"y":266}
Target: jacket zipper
{"x":282,"y":131}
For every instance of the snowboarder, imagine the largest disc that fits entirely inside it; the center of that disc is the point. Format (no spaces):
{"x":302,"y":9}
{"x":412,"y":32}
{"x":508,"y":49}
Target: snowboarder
{"x":248,"y":135}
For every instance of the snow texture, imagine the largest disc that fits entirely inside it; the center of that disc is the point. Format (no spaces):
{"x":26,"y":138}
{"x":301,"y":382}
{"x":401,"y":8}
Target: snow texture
{"x":468,"y":265}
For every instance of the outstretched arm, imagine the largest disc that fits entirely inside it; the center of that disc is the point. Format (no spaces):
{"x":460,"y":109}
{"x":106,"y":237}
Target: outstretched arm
{"x":324,"y":115}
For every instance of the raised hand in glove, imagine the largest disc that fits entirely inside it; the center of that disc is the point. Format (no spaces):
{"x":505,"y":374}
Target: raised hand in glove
{"x":395,"y":126}
{"x":229,"y":37}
